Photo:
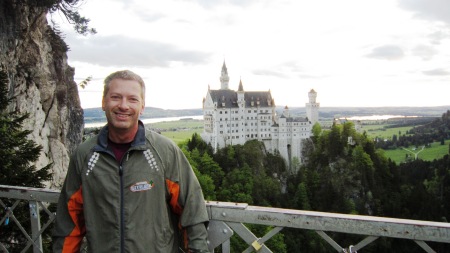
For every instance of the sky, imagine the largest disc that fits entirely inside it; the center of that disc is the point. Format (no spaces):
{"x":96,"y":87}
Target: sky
{"x":353,"y":53}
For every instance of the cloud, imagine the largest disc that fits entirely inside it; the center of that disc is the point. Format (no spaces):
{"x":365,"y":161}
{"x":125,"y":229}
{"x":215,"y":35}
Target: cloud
{"x":438,"y":36}
{"x":208,"y":4}
{"x":424,"y":52}
{"x":387,"y":52}
{"x":147,"y":16}
{"x":435,"y":10}
{"x":432,"y":10}
{"x":437,"y":72}
{"x":284,"y":70}
{"x":266,"y":72}
{"x":116,"y":50}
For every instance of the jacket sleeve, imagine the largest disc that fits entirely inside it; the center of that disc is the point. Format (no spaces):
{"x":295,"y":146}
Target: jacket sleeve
{"x":69,"y":225}
{"x":187,"y":200}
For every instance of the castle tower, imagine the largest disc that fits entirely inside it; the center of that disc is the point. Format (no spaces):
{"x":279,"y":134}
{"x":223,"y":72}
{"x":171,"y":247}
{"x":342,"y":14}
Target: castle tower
{"x":312,"y":108}
{"x":241,"y":95}
{"x":286,"y":112}
{"x":224,"y":78}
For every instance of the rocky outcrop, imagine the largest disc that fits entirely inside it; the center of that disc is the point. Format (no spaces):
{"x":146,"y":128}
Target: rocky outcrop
{"x":41,"y":83}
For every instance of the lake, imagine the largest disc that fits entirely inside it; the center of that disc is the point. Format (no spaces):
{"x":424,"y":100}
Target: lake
{"x":376,"y":117}
{"x":148,"y":121}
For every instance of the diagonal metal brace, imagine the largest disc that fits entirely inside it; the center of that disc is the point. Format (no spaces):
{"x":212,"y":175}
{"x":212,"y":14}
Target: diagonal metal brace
{"x":218,"y":233}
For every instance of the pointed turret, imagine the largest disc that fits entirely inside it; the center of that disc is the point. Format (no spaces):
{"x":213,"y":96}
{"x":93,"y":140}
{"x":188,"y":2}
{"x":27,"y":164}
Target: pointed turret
{"x":224,"y":78}
{"x":241,"y":87}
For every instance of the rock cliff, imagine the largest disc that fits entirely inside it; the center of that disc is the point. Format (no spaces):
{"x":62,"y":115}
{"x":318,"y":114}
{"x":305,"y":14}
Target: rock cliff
{"x":41,"y":82}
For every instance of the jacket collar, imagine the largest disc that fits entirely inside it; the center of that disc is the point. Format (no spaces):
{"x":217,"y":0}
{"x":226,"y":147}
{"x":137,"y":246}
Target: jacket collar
{"x":139,"y":139}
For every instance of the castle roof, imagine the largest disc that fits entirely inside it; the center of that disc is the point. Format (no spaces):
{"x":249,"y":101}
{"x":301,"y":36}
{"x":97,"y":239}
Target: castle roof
{"x":293,"y":119}
{"x":229,"y":97}
{"x":296,"y":119}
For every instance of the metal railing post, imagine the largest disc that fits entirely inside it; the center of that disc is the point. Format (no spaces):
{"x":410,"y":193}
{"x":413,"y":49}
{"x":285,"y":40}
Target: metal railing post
{"x":35,"y":226}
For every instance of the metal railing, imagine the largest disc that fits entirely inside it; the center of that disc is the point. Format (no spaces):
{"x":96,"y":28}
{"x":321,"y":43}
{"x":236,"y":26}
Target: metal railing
{"x":228,"y":218}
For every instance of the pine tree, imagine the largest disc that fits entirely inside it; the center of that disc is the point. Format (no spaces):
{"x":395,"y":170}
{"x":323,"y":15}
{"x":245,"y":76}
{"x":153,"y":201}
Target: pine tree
{"x":17,"y":156}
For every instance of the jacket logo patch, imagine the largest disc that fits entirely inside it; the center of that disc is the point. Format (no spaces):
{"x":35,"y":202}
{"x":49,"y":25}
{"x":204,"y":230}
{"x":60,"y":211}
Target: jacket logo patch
{"x":142,"y":186}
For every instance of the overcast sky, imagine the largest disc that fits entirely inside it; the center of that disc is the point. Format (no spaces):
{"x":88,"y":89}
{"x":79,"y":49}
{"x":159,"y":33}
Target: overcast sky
{"x":352,"y":52}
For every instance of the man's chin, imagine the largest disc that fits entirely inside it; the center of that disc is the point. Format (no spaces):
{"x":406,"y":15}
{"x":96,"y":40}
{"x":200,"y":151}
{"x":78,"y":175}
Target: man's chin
{"x":120,"y":124}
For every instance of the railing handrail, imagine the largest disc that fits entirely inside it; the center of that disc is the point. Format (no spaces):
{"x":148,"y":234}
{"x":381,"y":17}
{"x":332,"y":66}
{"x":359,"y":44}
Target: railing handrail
{"x":333,"y":222}
{"x":227,"y":216}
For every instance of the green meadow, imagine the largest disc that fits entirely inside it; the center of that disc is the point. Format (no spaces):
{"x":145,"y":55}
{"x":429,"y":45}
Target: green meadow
{"x":383,"y":131}
{"x":179,"y":130}
{"x":434,"y":151}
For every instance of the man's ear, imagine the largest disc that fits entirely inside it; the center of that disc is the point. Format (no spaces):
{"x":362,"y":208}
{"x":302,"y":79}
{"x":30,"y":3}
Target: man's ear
{"x":143,"y":107}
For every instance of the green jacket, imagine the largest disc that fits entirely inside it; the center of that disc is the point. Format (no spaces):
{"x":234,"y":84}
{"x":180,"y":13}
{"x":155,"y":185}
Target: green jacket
{"x":141,"y":204}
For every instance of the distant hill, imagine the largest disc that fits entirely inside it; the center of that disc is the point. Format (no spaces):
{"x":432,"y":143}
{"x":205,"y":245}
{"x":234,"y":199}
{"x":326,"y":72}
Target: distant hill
{"x":92,"y":115}
{"x":338,"y":112}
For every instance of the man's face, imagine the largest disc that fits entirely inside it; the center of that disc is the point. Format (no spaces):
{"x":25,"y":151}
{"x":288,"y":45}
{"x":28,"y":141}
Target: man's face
{"x":123,"y":104}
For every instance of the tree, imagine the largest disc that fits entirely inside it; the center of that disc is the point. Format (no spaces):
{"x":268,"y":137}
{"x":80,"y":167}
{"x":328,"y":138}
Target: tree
{"x":17,"y":157}
{"x":237,"y":186}
{"x":206,"y":182}
{"x":69,"y":8}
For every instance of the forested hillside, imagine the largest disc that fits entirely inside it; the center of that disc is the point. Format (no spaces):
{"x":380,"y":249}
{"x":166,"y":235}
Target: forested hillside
{"x":339,"y":174}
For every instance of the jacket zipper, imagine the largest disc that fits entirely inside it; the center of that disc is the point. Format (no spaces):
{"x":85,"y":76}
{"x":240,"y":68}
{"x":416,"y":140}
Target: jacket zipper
{"x":122,"y":204}
{"x":122,"y":222}
{"x":122,"y":218}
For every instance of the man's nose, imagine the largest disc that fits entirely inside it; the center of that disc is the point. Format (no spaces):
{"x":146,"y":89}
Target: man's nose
{"x":124,"y":103}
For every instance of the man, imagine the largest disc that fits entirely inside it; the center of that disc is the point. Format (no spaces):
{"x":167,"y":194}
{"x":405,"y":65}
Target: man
{"x":129,"y":189}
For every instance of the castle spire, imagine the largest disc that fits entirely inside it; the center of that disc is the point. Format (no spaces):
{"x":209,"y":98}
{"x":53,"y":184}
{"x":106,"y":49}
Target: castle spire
{"x":224,"y":78}
{"x":241,"y":87}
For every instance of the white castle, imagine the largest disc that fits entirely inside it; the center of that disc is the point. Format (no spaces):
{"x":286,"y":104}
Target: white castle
{"x":234,"y":117}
